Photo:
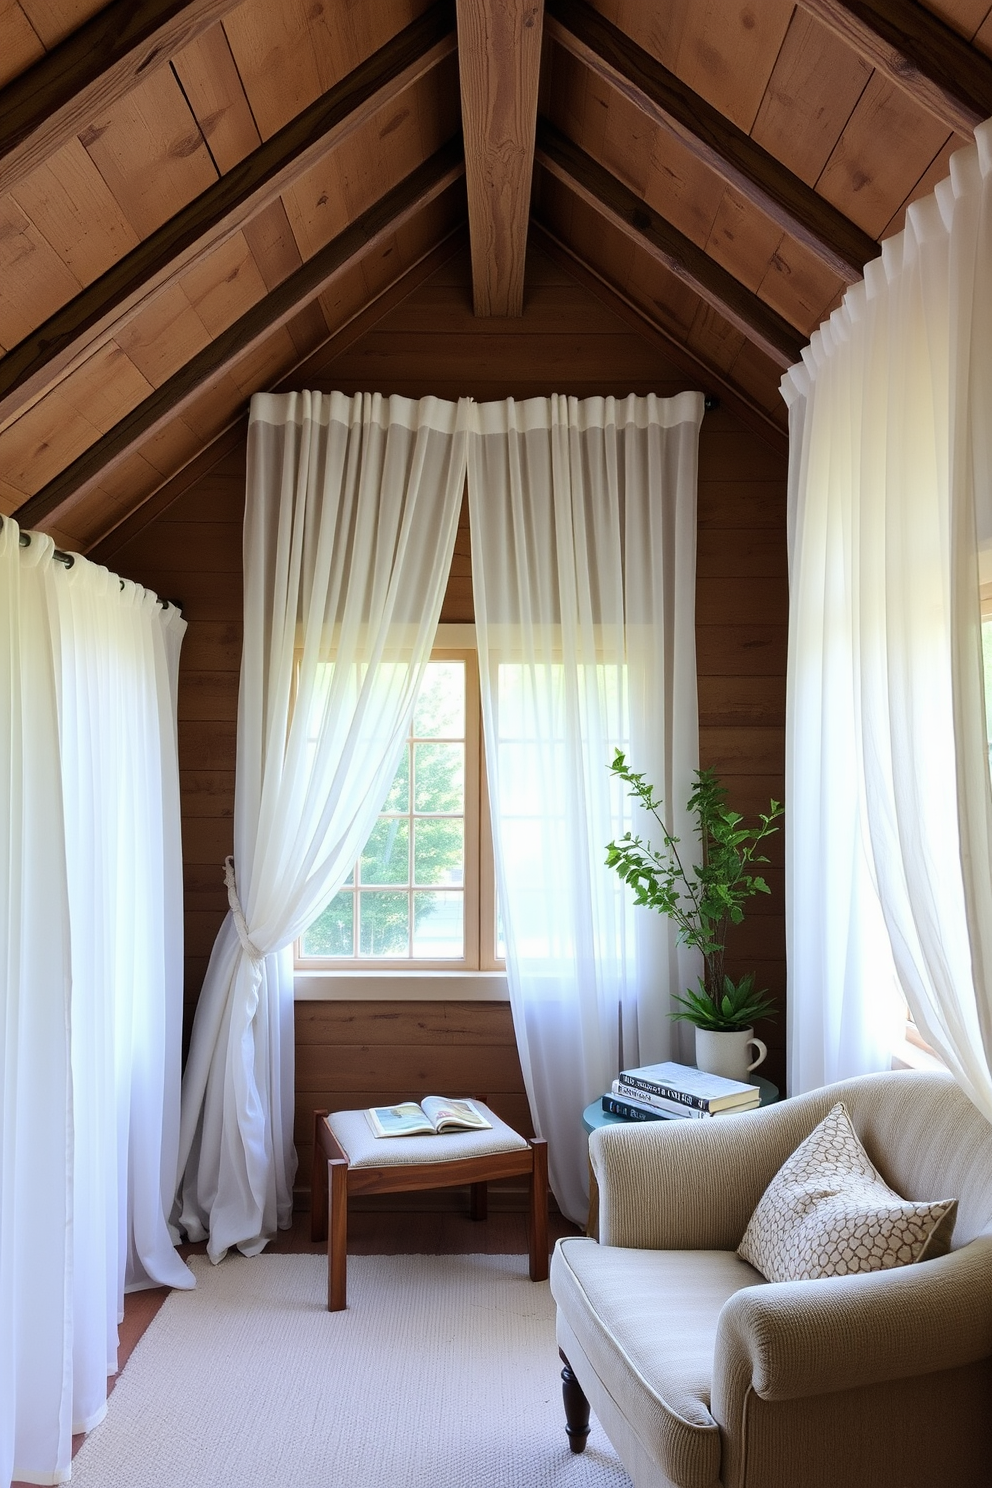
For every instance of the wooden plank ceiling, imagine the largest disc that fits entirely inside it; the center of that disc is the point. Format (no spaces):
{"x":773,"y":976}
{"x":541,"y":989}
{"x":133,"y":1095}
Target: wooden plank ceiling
{"x":195,"y":195}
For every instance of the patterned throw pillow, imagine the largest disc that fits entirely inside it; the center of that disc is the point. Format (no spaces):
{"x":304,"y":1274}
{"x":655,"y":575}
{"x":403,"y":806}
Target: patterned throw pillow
{"x":828,"y":1213}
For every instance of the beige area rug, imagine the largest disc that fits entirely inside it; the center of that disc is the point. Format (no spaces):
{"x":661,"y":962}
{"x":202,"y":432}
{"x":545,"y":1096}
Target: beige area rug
{"x":442,"y":1373}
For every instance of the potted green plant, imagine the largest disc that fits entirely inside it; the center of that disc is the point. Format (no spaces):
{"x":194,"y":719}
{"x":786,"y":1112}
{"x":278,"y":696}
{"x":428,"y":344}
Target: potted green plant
{"x":703,"y":900}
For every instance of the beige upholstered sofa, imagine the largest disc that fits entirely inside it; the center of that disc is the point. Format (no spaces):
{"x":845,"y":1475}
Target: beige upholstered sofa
{"x":704,"y":1375}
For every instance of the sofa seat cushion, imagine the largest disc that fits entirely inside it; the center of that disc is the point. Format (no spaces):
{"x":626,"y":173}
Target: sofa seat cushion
{"x":646,"y":1320}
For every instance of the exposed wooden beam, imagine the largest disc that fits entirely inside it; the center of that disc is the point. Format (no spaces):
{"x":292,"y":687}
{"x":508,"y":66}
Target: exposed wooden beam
{"x":608,"y":196}
{"x":127,"y":526}
{"x":105,"y":306}
{"x":109,"y":543}
{"x":919,"y":53}
{"x":758,"y":419}
{"x":382,"y":219}
{"x":499,"y":61}
{"x":97,"y":64}
{"x":711,"y":138}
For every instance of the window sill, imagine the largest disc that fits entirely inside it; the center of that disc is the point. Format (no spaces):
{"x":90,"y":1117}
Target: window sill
{"x":911,"y":1056}
{"x":400,"y":986}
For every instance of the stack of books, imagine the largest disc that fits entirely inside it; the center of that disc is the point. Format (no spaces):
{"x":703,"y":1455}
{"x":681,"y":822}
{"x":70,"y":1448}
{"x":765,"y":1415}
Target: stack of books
{"x":673,"y":1092}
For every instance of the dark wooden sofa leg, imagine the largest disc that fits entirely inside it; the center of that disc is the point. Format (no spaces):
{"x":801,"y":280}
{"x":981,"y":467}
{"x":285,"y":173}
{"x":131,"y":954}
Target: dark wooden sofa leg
{"x":576,"y":1408}
{"x":480,"y":1200}
{"x":539,"y":1210}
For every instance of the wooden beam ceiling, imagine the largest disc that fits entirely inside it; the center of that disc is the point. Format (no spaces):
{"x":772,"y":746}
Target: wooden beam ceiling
{"x":919,"y":53}
{"x":616,"y":202}
{"x":97,"y":64}
{"x":710,"y":137}
{"x":385,"y":217}
{"x":152,"y":505}
{"x":100,"y":310}
{"x":707,"y":378}
{"x":499,"y":59}
{"x":499,"y":51}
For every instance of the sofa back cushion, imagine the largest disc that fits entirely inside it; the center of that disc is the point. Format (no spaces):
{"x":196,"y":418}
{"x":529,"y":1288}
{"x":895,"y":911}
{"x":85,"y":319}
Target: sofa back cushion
{"x":927,"y":1140}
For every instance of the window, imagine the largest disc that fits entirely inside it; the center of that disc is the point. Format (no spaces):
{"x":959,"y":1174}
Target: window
{"x":540,"y":759}
{"x":421,"y":895}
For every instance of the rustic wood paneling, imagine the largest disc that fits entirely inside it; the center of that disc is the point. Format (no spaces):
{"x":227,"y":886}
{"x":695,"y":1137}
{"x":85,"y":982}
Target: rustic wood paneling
{"x":566,"y":341}
{"x":356,"y":1054}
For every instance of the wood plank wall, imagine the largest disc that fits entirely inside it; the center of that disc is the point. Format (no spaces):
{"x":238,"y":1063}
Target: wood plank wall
{"x":567,"y":341}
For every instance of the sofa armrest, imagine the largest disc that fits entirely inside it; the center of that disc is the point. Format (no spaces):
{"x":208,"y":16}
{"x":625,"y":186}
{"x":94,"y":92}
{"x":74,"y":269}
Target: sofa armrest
{"x":691,"y":1185}
{"x":803,"y":1338}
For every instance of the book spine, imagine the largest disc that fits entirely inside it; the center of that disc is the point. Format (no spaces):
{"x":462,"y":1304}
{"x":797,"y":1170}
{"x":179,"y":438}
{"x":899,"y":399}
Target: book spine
{"x":615,"y":1105}
{"x":668,"y":1092}
{"x":675,"y":1108}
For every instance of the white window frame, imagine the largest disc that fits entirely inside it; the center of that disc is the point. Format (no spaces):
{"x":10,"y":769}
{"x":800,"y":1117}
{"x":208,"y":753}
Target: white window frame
{"x":483,"y":979}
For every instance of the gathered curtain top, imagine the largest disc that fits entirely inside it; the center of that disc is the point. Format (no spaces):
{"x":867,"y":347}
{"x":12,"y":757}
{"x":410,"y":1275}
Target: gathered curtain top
{"x":341,"y":408}
{"x":484,"y":418}
{"x":926,"y":220}
{"x":586,"y":413}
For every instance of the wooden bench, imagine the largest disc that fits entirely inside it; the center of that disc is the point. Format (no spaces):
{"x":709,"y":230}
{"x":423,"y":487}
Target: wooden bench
{"x":348,"y":1159}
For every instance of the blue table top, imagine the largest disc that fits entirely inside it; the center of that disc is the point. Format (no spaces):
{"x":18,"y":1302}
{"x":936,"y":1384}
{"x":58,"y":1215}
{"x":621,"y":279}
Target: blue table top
{"x":594,"y":1115}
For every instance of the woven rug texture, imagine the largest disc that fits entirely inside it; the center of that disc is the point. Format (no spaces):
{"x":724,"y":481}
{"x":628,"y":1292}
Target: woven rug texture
{"x":442,"y":1373}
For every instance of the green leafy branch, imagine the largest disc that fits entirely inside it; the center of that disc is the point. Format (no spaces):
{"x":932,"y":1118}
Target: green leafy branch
{"x":704,"y":901}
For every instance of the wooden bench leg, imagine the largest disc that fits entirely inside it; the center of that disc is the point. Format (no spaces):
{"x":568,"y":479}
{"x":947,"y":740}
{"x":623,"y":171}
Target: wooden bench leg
{"x":337,"y":1234}
{"x":318,"y":1181}
{"x":480,"y":1200}
{"x":539,"y":1210}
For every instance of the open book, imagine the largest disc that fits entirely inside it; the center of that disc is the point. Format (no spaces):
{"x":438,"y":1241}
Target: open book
{"x":435,"y":1114}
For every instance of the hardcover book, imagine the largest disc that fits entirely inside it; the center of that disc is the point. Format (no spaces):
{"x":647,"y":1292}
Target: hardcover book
{"x":687,"y":1086}
{"x":634,"y":1110}
{"x":434,"y":1115}
{"x":678,"y":1108}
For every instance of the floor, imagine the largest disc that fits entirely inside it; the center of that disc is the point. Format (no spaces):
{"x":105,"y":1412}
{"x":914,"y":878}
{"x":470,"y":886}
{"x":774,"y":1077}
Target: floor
{"x":426,"y":1225}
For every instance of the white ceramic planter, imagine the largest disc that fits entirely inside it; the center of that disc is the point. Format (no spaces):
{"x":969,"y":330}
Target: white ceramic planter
{"x":728,"y":1054}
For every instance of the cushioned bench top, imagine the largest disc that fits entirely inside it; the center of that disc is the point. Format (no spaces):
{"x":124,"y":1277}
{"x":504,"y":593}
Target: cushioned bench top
{"x":365,"y":1150}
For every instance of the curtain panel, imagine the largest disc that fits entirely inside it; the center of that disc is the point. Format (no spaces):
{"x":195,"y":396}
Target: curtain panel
{"x":90,"y":1031}
{"x":351,"y":514}
{"x":583,"y":517}
{"x":889,"y":880}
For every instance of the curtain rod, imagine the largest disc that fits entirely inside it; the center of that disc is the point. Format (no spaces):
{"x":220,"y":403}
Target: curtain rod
{"x":68,"y":559}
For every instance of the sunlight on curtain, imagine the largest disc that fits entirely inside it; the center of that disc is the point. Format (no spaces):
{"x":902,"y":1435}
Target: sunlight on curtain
{"x":889,"y":805}
{"x":92,"y":929}
{"x":583,"y":561}
{"x":352,"y":509}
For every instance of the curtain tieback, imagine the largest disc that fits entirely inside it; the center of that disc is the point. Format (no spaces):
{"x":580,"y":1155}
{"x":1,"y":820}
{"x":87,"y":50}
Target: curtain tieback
{"x":240,"y":924}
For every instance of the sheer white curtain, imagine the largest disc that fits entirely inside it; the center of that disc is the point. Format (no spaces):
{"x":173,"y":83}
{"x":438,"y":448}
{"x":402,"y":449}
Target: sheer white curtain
{"x":352,"y":509}
{"x":889,"y":809}
{"x":36,"y":1096}
{"x":583,"y":522}
{"x":119,"y":653}
{"x":91,"y":924}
